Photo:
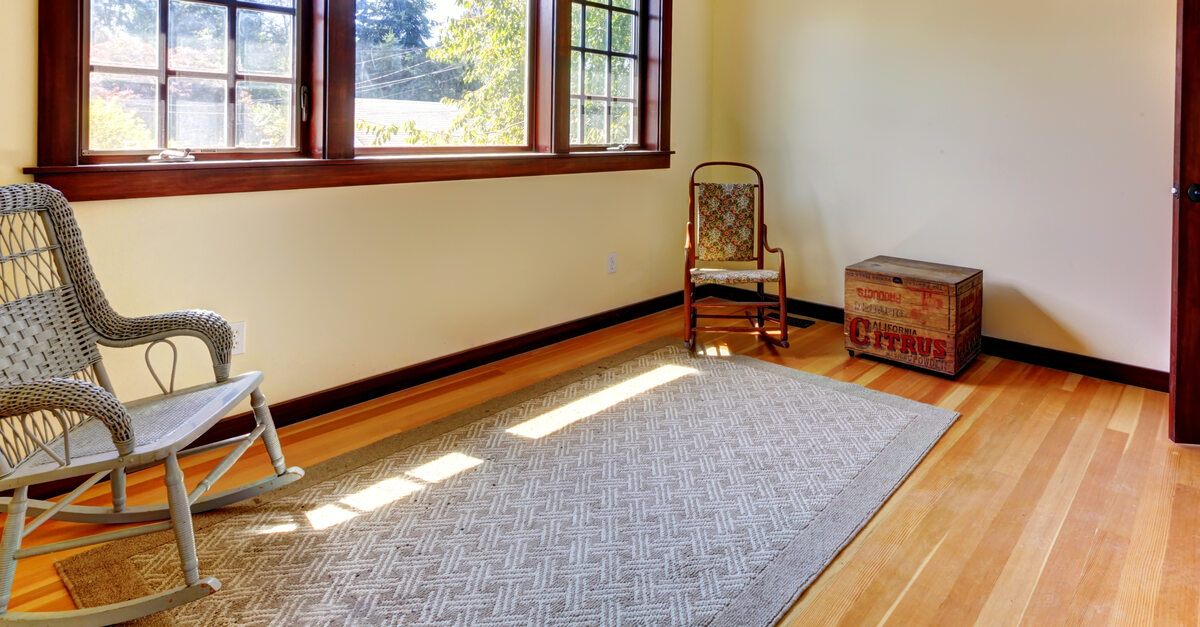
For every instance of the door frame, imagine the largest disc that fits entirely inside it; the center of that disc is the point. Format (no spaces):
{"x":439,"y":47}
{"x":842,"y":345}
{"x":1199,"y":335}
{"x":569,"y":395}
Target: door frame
{"x":1185,"y":239}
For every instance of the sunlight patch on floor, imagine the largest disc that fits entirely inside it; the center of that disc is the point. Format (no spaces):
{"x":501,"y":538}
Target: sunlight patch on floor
{"x":445,"y":466}
{"x":328,"y":516}
{"x":382,"y":493}
{"x":284,"y":528}
{"x":566,"y":415}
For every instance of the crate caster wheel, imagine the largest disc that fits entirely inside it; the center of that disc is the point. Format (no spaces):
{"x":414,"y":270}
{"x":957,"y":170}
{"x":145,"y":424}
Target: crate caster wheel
{"x":851,"y":352}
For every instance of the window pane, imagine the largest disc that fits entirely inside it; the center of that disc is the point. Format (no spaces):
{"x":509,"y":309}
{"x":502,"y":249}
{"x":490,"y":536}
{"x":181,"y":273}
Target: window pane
{"x":124,"y":32}
{"x":595,"y":122}
{"x":596,"y":28}
{"x":196,"y":113}
{"x":264,"y":43}
{"x":441,"y":73}
{"x":595,"y":74}
{"x":264,"y":115}
{"x":122,"y":112}
{"x":576,"y":24}
{"x":196,"y":36}
{"x":575,"y":121}
{"x":623,"y":34}
{"x":624,"y":4}
{"x":276,"y":3}
{"x":576,"y":72}
{"x":622,"y":77}
{"x":623,"y":122}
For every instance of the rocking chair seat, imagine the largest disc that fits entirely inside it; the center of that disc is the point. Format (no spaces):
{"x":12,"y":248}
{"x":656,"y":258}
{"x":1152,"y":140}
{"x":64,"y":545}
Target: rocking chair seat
{"x":701,"y":276}
{"x":161,"y":424}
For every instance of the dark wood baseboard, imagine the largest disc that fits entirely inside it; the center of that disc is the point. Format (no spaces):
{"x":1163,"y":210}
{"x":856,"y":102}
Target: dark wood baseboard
{"x":1148,"y":378}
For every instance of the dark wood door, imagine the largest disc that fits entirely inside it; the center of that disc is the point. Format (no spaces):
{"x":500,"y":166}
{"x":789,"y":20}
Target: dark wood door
{"x":1185,"y":276}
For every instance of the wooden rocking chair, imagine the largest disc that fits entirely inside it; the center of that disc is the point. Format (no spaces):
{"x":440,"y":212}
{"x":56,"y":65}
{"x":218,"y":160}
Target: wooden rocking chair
{"x":60,"y":419}
{"x":725,"y":223}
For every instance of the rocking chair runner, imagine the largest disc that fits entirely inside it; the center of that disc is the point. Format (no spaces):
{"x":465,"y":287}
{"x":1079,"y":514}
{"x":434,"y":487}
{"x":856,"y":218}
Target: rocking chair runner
{"x":725,"y":223}
{"x":60,"y":419}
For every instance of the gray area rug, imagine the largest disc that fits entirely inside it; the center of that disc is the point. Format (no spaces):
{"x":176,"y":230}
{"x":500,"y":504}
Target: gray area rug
{"x":652,"y":487}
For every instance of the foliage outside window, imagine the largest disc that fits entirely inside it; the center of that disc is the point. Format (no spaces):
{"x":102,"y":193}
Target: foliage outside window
{"x":441,"y":73}
{"x":227,"y":77}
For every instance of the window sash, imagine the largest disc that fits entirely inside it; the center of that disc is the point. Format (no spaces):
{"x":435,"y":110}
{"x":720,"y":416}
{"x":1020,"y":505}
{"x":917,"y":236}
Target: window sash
{"x":531,"y":52}
{"x":231,"y":76}
{"x":582,"y":97}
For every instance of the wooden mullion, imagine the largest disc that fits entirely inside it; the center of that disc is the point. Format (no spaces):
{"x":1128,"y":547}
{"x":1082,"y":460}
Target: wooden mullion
{"x":339,"y":78}
{"x":608,"y":7}
{"x":314,"y":77}
{"x":552,"y":75}
{"x":60,"y":84}
{"x":231,"y":76}
{"x":163,"y":90}
{"x":655,"y":77}
{"x":117,"y":69}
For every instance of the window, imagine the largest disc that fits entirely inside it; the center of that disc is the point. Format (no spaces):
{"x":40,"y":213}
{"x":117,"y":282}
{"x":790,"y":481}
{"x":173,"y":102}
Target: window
{"x":604,"y":73}
{"x":311,"y":93}
{"x":225,"y":79}
{"x":441,"y":73}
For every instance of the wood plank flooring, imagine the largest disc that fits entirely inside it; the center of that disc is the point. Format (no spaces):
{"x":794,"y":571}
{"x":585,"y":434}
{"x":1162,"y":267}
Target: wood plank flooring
{"x":1055,"y":499}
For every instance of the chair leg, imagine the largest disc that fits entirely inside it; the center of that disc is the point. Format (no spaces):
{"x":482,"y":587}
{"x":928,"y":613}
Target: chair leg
{"x":14,"y":528}
{"x":181,"y":521}
{"x":262,"y":414}
{"x":689,"y":332}
{"x":783,"y":315}
{"x":117,"y":482}
{"x":762,"y":319}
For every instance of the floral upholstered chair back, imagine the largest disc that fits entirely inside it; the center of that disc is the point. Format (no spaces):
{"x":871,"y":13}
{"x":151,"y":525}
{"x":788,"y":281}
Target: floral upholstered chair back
{"x":725,"y":222}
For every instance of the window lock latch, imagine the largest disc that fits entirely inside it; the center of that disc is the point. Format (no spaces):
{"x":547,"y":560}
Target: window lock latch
{"x":304,"y":103}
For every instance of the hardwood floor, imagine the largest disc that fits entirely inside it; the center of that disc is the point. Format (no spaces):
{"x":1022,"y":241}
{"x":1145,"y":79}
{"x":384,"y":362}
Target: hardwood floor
{"x":1055,"y":498}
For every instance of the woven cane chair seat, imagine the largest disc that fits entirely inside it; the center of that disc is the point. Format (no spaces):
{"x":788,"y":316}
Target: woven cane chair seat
{"x":157,"y":421}
{"x":701,"y":276}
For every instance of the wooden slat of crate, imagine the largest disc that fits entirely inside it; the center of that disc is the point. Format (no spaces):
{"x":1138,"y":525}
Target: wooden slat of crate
{"x":914,"y":302}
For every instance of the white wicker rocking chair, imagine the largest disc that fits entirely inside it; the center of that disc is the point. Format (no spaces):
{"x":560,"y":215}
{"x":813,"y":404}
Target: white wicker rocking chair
{"x":60,"y":419}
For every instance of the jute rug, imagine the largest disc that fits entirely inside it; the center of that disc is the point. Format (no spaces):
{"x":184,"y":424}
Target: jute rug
{"x":652,"y":487}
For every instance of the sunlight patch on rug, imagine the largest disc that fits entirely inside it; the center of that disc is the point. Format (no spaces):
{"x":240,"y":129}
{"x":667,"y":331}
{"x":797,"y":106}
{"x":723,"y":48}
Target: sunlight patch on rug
{"x":545,"y":424}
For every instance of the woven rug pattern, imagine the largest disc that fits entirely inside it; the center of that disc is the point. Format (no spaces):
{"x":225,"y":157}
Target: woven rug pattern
{"x":652,"y":488}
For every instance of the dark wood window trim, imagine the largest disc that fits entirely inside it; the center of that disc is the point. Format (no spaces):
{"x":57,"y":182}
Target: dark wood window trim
{"x":329,"y":139}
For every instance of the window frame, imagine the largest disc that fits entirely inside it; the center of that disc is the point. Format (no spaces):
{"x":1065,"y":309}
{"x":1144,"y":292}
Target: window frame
{"x":327,"y":156}
{"x":639,"y":56}
{"x":164,"y":73}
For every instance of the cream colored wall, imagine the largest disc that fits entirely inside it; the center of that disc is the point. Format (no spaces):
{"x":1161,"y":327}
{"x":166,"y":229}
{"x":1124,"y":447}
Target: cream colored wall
{"x":1030,"y":138}
{"x":341,"y":284}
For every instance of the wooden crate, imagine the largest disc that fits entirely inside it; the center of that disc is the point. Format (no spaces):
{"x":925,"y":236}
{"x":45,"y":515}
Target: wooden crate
{"x":917,"y":313}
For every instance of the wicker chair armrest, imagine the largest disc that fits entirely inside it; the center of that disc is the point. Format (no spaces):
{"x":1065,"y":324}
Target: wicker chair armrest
{"x":86,"y":398}
{"x":209,"y":327}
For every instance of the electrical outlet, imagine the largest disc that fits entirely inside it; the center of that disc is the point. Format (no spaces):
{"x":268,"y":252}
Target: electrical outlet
{"x":612,"y":263}
{"x":239,"y":338}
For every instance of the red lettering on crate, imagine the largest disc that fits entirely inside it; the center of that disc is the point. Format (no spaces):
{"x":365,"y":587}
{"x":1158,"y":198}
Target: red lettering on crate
{"x":879,"y":295}
{"x":909,"y":344}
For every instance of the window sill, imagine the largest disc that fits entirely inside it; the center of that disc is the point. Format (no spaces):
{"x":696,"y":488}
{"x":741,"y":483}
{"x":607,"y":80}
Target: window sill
{"x":145,"y":180}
